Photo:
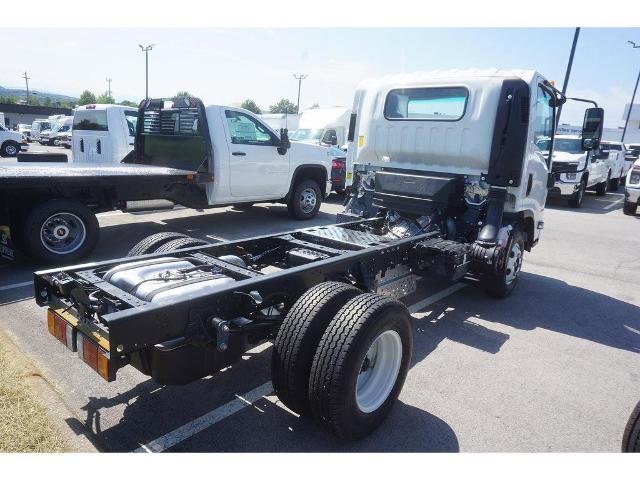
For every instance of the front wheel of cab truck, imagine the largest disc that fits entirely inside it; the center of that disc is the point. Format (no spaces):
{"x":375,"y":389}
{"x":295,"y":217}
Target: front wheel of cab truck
{"x":298,"y":338}
{"x":500,"y":283}
{"x":575,"y":200}
{"x":305,"y":200}
{"x":360,"y":365}
{"x":59,"y":231}
{"x":614,"y":183}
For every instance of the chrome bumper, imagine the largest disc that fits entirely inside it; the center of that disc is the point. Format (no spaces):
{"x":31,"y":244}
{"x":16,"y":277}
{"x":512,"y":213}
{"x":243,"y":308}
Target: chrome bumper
{"x":564,"y":188}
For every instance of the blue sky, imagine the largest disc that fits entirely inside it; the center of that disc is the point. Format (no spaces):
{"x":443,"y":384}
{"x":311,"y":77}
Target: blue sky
{"x":229,"y":65}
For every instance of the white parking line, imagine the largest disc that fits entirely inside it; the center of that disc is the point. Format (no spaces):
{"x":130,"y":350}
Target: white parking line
{"x":265,"y":390}
{"x":614,"y":203}
{"x":205,"y":421}
{"x":14,"y":285}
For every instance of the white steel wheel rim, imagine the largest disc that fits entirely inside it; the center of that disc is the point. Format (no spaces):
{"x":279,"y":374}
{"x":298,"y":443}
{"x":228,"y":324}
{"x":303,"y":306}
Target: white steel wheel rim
{"x":308,"y":200}
{"x":379,"y":371}
{"x":63,"y":233}
{"x":514,"y":262}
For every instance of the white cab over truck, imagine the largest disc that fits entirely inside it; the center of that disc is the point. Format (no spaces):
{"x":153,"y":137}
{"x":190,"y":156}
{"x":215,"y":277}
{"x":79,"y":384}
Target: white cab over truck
{"x":324,"y":126}
{"x":185,"y":153}
{"x":277,"y":121}
{"x":103,"y":133}
{"x":577,"y":170}
{"x":449,"y":174}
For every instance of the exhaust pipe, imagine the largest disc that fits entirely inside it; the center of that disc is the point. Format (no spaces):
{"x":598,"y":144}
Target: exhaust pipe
{"x":495,"y":208}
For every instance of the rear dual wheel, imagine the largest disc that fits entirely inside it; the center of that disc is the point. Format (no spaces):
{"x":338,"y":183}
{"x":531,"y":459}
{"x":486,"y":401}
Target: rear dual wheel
{"x":164,"y":242}
{"x":342,"y":358}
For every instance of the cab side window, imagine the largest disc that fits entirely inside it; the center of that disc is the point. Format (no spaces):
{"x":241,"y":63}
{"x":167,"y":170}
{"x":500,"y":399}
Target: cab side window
{"x":245,"y":130}
{"x":131,"y":116}
{"x":543,"y":121}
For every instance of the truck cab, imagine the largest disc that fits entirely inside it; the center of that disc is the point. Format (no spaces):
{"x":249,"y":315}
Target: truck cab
{"x":10,"y":142}
{"x":323,"y":126}
{"x":103,"y":133}
{"x":38,"y":126}
{"x":617,"y":153}
{"x":577,"y":170}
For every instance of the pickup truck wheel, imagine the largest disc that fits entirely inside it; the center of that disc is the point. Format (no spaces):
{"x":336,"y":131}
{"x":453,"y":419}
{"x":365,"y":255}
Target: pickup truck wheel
{"x":305,"y":200}
{"x":150,"y":243}
{"x":180,"y":243}
{"x":614,"y":183}
{"x":9,"y":149}
{"x":602,"y":188}
{"x":360,"y":365}
{"x":631,"y":436}
{"x":298,"y":338}
{"x":60,"y":231}
{"x":629,"y":208}
{"x":575,"y":201}
{"x":500,"y":284}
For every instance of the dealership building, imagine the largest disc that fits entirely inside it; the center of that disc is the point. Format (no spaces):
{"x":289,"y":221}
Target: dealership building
{"x":15,"y":114}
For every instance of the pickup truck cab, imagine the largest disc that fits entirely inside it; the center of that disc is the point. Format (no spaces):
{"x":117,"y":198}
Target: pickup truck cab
{"x":103,"y":133}
{"x":632,"y":189}
{"x":617,"y":153}
{"x":576,"y":170}
{"x":185,"y":153}
{"x":10,"y":142}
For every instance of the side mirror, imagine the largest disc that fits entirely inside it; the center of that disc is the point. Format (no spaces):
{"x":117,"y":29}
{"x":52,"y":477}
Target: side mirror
{"x":334,"y":140}
{"x":285,"y":143}
{"x":592,"y":128}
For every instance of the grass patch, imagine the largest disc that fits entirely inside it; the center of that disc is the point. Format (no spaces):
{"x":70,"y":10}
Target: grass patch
{"x":24,"y":425}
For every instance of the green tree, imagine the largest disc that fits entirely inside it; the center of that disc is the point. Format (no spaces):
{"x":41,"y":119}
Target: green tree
{"x":184,"y":93}
{"x":283,"y":106}
{"x":86,"y":98}
{"x":252,"y":106}
{"x":10,"y":100}
{"x":46,"y":101}
{"x":64,"y":104}
{"x":33,"y":100}
{"x":128,"y":103}
{"x":105,"y":98}
{"x":314,"y":106}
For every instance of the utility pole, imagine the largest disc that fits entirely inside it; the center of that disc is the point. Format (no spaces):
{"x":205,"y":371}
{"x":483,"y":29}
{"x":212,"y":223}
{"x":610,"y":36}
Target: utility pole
{"x":26,"y":80}
{"x":109,"y":87}
{"x":299,"y":78}
{"x":568,"y":72}
{"x":633,"y":97}
{"x":146,"y":60}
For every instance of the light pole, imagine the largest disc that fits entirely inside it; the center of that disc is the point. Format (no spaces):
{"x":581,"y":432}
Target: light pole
{"x":568,"y":72}
{"x":26,"y":80}
{"x":633,"y":97}
{"x":299,"y":78}
{"x":109,"y":87}
{"x":146,"y":59}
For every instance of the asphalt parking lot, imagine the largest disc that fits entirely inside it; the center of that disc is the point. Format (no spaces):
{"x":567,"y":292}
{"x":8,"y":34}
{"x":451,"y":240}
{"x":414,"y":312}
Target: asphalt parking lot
{"x":555,"y":367}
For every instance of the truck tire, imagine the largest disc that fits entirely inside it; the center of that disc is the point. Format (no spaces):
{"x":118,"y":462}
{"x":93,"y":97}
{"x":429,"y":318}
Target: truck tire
{"x":298,"y":338}
{"x":630,"y":208}
{"x":9,"y":149}
{"x":575,"y":200}
{"x":614,"y":183}
{"x":501,"y":283}
{"x":150,"y":243}
{"x":602,"y":188}
{"x":59,"y":231}
{"x":631,"y":436}
{"x":305,"y":200}
{"x":360,"y":365}
{"x":180,"y":243}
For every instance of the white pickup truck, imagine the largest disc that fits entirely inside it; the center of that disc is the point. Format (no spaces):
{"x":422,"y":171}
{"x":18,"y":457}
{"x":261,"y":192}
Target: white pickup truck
{"x":576,"y":170}
{"x":185,"y":153}
{"x":617,"y":153}
{"x":10,"y":142}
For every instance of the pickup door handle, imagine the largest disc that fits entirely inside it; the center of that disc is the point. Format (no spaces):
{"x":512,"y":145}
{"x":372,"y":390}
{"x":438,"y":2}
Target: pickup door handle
{"x":238,"y":154}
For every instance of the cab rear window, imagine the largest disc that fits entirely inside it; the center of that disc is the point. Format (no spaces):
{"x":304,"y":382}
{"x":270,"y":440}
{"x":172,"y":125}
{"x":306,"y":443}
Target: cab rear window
{"x":437,"y":103}
{"x":95,"y":120}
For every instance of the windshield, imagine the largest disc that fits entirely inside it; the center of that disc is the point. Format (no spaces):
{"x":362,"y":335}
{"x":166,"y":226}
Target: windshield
{"x":306,"y":134}
{"x":543,"y":144}
{"x":610,"y":146}
{"x":569,"y":145}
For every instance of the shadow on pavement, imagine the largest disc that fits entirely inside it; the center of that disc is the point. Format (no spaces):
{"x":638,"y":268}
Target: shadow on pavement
{"x":591,"y":203}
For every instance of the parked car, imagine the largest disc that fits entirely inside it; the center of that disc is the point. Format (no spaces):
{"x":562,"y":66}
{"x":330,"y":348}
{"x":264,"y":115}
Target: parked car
{"x":632,"y":189}
{"x":338,"y":169}
{"x":10,"y":142}
{"x":38,"y":126}
{"x":25,"y":129}
{"x":66,"y":139}
{"x":616,"y":152}
{"x":577,"y":170}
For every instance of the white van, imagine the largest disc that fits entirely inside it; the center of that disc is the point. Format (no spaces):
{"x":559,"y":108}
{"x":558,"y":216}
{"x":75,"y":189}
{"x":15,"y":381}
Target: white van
{"x":39,"y":125}
{"x":328,"y":126}
{"x":277,"y":121}
{"x":103,"y":133}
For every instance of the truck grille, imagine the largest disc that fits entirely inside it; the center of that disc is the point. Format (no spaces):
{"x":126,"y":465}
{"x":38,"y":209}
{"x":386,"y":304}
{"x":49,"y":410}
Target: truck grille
{"x":564,"y":167}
